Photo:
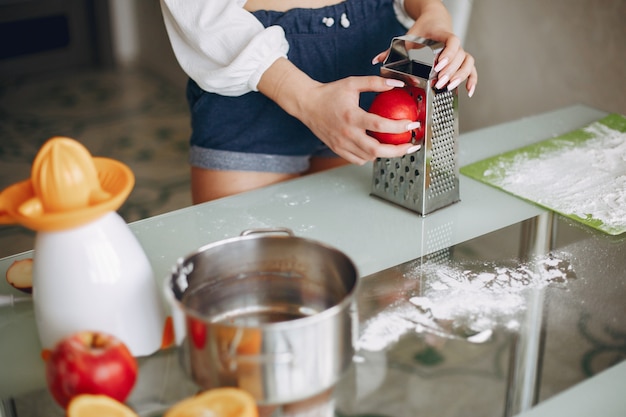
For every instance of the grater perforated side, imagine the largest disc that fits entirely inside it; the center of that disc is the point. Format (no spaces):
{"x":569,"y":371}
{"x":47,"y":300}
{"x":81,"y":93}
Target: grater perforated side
{"x":428,"y":179}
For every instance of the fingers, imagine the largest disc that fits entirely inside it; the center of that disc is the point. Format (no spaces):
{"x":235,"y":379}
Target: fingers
{"x":472,"y":80}
{"x":395,"y":151}
{"x":375,"y":123}
{"x":367,"y":149}
{"x":372,"y":83}
{"x":455,"y":71}
{"x":357,"y":146}
{"x":455,"y":65}
{"x":360,"y":147}
{"x":380,"y":58}
{"x":333,"y":115}
{"x":449,"y":53}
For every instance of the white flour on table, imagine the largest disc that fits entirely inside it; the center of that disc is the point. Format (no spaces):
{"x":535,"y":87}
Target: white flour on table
{"x":587,"y":180}
{"x":463,"y":301}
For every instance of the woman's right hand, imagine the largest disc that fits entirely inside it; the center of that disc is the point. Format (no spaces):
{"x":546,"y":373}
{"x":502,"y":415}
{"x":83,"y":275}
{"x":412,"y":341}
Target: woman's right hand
{"x":332,"y":112}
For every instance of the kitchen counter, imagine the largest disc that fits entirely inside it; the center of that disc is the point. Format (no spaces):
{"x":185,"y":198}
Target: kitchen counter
{"x":563,"y":333}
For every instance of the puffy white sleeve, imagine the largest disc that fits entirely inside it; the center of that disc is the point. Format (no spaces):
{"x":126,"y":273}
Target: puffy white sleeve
{"x":401,"y":14}
{"x":220,"y":45}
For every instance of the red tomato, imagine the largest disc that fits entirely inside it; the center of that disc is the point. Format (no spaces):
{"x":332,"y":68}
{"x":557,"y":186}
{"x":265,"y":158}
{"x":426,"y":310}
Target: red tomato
{"x":396,"y":104}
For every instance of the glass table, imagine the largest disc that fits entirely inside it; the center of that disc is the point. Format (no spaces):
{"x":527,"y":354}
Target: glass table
{"x":487,"y":307}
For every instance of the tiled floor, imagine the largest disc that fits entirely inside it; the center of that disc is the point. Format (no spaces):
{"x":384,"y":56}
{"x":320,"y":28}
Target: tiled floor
{"x":132,"y":116}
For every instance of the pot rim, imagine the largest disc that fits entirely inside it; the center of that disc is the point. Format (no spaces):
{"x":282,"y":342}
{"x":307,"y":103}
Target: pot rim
{"x":347,"y":302}
{"x":348,"y":299}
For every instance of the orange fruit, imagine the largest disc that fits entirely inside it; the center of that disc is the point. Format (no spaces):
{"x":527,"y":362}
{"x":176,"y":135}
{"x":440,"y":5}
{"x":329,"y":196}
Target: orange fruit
{"x":91,"y":405}
{"x":244,"y":341}
{"x":217,"y":402}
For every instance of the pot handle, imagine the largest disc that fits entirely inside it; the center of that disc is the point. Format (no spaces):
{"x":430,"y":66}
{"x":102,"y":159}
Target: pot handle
{"x":285,"y":230}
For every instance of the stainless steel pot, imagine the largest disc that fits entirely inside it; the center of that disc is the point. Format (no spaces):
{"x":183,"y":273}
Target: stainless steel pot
{"x":268,"y":312}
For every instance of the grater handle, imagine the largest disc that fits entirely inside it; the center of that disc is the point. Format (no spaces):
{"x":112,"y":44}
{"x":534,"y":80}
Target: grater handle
{"x":413,"y":55}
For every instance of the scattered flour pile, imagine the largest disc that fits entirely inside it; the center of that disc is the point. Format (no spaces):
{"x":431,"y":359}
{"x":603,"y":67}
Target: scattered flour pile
{"x":458,"y":302}
{"x":587,"y":180}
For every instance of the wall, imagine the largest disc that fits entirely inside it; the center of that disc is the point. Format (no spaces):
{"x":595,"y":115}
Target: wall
{"x":139,"y":38}
{"x":532,"y":56}
{"x":536,"y":55}
{"x":52,"y":35}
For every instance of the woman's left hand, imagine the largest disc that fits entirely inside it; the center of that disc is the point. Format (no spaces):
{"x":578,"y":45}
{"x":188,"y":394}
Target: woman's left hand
{"x":453,"y":66}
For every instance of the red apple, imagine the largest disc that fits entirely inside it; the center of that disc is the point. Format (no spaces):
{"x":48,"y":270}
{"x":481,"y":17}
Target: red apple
{"x":396,"y":104}
{"x":20,"y":275}
{"x":90,"y":363}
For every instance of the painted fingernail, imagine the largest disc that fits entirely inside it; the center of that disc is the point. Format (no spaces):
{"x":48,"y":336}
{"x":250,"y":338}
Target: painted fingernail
{"x":413,"y":149}
{"x":392,"y":82}
{"x":413,"y":125}
{"x":375,"y":60}
{"x":454,"y":84}
{"x":441,"y":64}
{"x":471,"y":91}
{"x":442,"y":81}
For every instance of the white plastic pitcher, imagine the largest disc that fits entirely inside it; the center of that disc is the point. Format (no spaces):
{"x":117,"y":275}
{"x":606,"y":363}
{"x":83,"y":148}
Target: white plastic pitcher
{"x":96,"y":277}
{"x":89,"y":272}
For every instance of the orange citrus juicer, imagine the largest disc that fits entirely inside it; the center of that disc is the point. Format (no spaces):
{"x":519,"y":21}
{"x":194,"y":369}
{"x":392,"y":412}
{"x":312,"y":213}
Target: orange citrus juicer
{"x":68,"y":187}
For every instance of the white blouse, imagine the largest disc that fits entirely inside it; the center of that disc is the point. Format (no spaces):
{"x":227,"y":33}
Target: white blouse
{"x":223,"y":47}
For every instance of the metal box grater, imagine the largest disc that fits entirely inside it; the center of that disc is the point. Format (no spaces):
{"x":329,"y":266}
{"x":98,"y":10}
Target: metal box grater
{"x":428,"y":179}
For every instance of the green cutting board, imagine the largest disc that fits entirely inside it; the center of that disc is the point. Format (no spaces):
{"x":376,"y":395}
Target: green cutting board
{"x":514,"y":172}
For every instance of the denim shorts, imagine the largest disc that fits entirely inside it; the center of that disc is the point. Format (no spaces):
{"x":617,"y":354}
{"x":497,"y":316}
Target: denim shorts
{"x":251,"y":132}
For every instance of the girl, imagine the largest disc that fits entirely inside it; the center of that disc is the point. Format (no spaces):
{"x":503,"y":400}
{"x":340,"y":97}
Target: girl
{"x":278,"y":88}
